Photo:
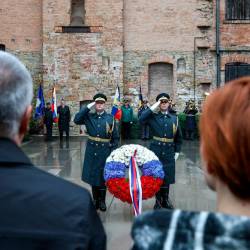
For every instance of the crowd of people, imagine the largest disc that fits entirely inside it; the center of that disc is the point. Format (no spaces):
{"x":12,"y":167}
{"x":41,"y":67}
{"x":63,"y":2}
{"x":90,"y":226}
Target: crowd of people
{"x":41,"y":211}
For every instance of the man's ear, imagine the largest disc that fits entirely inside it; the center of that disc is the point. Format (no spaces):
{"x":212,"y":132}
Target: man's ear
{"x":24,"y":125}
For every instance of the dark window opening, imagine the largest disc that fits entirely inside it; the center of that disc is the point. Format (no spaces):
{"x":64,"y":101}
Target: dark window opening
{"x":77,"y":13}
{"x":2,"y":47}
{"x":236,"y":70}
{"x":76,"y":29}
{"x":238,"y":9}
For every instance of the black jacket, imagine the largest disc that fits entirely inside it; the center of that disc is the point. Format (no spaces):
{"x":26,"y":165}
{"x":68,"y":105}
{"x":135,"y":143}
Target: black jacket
{"x":63,"y":117}
{"x":48,"y":117}
{"x":41,"y":211}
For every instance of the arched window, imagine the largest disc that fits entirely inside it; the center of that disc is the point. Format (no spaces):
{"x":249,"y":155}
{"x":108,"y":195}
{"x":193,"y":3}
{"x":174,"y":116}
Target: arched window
{"x":238,"y":9}
{"x":181,"y":66}
{"x":235,"y":70}
{"x":2,"y":47}
{"x":160,"y":78}
{"x":77,"y":13}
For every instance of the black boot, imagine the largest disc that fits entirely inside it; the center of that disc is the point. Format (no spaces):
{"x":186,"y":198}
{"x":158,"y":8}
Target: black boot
{"x":158,"y":200}
{"x":165,"y":199}
{"x":102,"y":197}
{"x":95,"y":194}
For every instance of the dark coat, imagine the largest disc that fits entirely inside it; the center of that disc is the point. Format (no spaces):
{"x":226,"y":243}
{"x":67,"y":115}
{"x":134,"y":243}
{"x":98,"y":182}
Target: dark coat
{"x":42,"y":211}
{"x":164,"y":126}
{"x":63,"y":118}
{"x":97,"y":152}
{"x":48,"y":118}
{"x":190,"y":119}
{"x":182,"y":230}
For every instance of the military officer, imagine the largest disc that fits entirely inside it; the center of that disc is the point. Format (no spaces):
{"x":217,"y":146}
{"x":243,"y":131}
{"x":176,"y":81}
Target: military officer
{"x":102,"y":139}
{"x":166,"y":143}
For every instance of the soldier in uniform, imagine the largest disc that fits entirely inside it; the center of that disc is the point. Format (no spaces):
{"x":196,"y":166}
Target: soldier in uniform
{"x":103,"y":138}
{"x":166,"y":143}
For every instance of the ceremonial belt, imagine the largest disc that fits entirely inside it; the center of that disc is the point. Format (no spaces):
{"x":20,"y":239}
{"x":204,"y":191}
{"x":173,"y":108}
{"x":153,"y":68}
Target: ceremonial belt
{"x":98,"y":139}
{"x":162,"y":139}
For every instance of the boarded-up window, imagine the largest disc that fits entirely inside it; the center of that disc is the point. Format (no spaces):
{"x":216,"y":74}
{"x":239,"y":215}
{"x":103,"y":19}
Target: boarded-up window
{"x":235,"y":70}
{"x":160,"y":78}
{"x":77,"y":13}
{"x":238,"y":9}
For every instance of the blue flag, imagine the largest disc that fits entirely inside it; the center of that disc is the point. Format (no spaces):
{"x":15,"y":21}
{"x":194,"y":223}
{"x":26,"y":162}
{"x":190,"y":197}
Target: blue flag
{"x":40,"y":104}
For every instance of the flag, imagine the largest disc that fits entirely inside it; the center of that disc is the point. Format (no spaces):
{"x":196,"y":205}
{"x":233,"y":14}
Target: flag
{"x":54,"y":105}
{"x":140,"y":98}
{"x":135,"y":186}
{"x":40,"y":104}
{"x":116,"y":111}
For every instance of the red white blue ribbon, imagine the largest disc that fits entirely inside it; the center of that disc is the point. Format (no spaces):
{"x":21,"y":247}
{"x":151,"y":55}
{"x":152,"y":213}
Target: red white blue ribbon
{"x":135,"y":186}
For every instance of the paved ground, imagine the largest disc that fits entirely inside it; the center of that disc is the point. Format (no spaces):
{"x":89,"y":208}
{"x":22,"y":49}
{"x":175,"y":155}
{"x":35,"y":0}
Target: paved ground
{"x":189,"y":192}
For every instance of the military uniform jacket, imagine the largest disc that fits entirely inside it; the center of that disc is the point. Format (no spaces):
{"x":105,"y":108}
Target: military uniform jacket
{"x":100,"y":126}
{"x":64,"y":117}
{"x":164,"y":126}
{"x":42,"y":211}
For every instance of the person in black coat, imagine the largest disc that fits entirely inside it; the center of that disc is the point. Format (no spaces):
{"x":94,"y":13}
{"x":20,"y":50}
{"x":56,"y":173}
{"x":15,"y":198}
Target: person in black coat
{"x":48,"y":121}
{"x":190,"y":123}
{"x":103,"y":138}
{"x":144,"y":127}
{"x":63,"y":112}
{"x":37,"y":210}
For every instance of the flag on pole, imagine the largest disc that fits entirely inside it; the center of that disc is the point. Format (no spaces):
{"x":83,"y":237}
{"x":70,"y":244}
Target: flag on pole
{"x":135,"y":186}
{"x":140,"y":98}
{"x":54,"y":105}
{"x":116,"y":111}
{"x":40,"y":104}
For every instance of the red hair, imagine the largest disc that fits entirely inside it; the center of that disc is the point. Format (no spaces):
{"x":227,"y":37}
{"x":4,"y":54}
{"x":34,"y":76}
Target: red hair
{"x":225,"y":135}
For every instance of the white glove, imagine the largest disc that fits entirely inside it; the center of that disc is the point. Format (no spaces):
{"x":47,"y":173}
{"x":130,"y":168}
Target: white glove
{"x":90,"y":105}
{"x":176,"y":156}
{"x":155,"y":106}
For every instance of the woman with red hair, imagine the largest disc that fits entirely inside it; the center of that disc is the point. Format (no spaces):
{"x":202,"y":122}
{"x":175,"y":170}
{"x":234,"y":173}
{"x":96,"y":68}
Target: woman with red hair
{"x":225,"y":149}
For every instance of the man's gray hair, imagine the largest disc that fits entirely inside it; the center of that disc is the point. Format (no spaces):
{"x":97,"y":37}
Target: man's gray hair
{"x":16,"y":92}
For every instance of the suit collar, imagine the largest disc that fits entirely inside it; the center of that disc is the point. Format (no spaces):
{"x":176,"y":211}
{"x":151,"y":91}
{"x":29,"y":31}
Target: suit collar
{"x":11,"y":153}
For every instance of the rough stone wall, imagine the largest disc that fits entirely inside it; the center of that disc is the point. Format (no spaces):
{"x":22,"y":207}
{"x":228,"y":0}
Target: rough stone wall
{"x":168,"y":31}
{"x":235,"y":40}
{"x":21,"y":32}
{"x":81,"y":64}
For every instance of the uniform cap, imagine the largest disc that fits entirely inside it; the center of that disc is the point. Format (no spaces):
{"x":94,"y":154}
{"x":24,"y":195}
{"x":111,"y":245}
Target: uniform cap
{"x":162,"y":96}
{"x":100,"y":97}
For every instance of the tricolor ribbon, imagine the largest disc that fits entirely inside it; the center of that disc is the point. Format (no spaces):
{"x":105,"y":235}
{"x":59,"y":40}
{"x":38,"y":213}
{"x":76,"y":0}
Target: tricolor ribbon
{"x":135,"y":185}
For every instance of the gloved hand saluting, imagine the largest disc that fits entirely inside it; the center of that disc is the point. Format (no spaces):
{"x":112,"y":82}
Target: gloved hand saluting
{"x":91,"y":105}
{"x":155,"y":106}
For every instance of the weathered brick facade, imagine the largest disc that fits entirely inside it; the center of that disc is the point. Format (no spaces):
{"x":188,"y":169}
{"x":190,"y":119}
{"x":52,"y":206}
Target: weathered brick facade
{"x":129,"y":43}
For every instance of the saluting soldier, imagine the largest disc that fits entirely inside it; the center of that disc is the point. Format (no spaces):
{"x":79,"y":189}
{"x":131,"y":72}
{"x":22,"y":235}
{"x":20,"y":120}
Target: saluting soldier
{"x":166,"y":143}
{"x":102,"y":139}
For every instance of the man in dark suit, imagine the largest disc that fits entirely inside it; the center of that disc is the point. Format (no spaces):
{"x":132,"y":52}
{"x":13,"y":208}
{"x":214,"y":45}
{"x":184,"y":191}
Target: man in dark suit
{"x":37,"y":210}
{"x":63,"y":121}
